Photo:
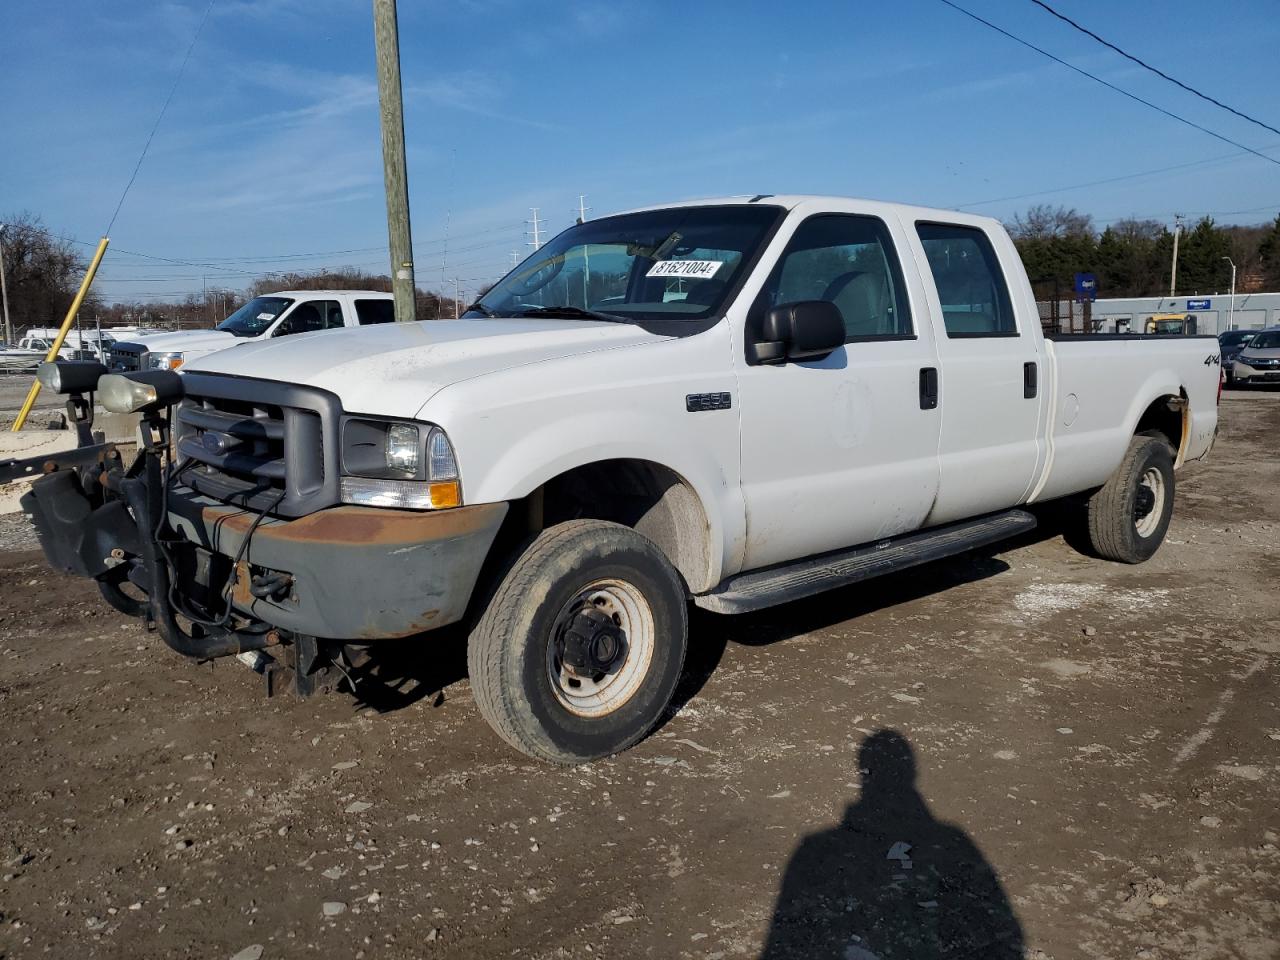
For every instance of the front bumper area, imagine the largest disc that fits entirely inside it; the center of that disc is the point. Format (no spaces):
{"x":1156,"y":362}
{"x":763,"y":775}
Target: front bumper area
{"x":1243,"y":372}
{"x":351,"y":573}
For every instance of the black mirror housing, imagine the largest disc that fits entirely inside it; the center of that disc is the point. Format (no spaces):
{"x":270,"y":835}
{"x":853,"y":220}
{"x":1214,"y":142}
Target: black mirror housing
{"x":804,"y":330}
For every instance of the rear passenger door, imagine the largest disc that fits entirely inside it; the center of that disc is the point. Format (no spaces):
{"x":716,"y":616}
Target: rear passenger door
{"x":843,"y":450}
{"x":991,"y":371}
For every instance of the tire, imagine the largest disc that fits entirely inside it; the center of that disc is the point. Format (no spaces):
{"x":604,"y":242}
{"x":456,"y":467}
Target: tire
{"x":516,"y":654}
{"x":1129,"y":516}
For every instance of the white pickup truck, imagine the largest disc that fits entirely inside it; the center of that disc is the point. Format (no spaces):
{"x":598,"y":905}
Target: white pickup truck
{"x":264,"y":317}
{"x":733,"y":402}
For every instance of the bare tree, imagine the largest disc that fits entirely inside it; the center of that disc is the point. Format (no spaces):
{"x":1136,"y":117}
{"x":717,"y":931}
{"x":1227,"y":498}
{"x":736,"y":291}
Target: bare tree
{"x":1045,"y":222}
{"x":42,"y":272}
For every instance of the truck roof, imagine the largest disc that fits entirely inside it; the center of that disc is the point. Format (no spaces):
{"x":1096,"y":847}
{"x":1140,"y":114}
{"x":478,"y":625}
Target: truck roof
{"x":792,"y":200}
{"x":382,"y":294}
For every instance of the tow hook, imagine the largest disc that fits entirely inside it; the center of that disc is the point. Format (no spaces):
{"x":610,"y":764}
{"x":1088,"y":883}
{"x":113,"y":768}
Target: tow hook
{"x":270,"y":586}
{"x":592,"y":644}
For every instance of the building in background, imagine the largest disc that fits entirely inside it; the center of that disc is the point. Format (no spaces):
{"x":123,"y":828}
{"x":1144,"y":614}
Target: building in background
{"x":1211,"y":314}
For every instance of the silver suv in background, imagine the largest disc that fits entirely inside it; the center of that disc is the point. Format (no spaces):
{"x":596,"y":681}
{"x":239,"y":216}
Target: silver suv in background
{"x":1259,"y":360}
{"x":1231,"y":343}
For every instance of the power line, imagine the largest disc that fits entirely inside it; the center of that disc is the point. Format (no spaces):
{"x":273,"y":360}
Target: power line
{"x":1102,"y":182}
{"x":1120,"y":90}
{"x":156,"y":126}
{"x":1158,"y":72}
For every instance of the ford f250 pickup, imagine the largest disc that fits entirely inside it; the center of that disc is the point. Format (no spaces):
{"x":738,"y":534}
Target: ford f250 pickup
{"x":271,"y":315}
{"x":734,"y":403}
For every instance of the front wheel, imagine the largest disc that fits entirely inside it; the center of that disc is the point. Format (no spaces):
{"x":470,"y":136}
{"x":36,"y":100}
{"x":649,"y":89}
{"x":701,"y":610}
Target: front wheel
{"x":580,"y":648}
{"x":1129,"y":516}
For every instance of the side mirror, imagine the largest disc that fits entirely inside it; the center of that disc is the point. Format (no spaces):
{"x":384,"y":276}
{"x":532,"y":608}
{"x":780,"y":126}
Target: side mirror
{"x":805,"y":330}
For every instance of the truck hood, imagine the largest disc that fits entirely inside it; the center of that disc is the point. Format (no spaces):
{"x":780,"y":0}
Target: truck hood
{"x":187,"y":341}
{"x":392,"y":369}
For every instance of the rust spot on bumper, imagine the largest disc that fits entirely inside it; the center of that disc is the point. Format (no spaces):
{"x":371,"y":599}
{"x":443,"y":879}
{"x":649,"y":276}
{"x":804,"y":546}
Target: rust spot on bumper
{"x":240,"y":595}
{"x":362,"y":525}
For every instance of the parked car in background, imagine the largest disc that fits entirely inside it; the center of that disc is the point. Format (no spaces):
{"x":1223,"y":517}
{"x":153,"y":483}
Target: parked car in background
{"x":80,"y":344}
{"x":1231,"y":343}
{"x":271,"y":315}
{"x":1259,"y":360}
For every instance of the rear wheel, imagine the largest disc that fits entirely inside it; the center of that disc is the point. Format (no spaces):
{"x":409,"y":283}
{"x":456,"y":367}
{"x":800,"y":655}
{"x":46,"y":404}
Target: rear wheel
{"x":1129,"y":516}
{"x":579,"y":649}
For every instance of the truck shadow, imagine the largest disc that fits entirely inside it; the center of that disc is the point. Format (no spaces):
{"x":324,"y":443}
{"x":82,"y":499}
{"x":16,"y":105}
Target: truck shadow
{"x":890,"y":881}
{"x":400,"y":673}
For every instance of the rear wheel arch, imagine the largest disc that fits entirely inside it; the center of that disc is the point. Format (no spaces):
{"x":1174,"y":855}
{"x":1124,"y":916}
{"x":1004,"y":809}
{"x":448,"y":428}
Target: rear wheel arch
{"x":1166,"y":417}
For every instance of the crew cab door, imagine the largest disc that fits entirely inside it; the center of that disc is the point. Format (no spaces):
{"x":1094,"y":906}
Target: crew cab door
{"x":841,"y":450}
{"x":992,"y":369}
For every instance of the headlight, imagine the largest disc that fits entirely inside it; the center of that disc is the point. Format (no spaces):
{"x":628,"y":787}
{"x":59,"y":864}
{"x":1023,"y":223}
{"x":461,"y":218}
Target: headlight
{"x":144,"y":390}
{"x":402,"y":450}
{"x":398,"y":464}
{"x":70,"y":376}
{"x":162,"y":361}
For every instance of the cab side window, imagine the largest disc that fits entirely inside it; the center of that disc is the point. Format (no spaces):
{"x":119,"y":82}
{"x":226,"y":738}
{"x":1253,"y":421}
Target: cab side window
{"x":971,"y":287}
{"x":375,"y":311}
{"x":311,"y":315}
{"x":848,"y":261}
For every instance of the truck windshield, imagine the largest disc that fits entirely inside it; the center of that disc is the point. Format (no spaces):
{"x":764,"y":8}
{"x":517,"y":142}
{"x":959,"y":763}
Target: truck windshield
{"x":256,"y":316}
{"x":674,"y":264}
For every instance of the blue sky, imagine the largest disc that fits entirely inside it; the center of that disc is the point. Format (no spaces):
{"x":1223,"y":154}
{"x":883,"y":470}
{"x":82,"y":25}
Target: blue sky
{"x":269,"y":156}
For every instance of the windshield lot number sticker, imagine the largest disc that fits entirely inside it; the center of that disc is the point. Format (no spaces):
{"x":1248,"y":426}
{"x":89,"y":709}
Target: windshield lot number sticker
{"x":689,"y":269}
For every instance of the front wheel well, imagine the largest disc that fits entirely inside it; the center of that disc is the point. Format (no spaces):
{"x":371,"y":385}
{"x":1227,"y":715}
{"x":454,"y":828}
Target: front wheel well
{"x":652,"y":499}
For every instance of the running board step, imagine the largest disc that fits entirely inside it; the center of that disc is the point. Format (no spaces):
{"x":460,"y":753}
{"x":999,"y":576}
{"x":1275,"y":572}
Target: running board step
{"x":803,"y":578}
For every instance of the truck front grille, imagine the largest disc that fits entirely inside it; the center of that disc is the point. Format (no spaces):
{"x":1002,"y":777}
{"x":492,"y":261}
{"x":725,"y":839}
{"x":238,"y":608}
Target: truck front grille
{"x":126,"y":357}
{"x":258,"y":444}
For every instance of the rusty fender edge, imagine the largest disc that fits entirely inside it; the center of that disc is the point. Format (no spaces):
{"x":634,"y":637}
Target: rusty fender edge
{"x":358,"y":573}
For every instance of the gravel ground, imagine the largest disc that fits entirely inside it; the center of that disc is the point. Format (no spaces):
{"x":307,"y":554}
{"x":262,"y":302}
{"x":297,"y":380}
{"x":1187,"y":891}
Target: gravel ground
{"x":1020,"y":753}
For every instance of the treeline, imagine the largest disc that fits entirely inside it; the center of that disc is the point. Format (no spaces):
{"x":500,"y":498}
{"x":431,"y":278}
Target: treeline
{"x":211,"y":307}
{"x":1134,"y":258}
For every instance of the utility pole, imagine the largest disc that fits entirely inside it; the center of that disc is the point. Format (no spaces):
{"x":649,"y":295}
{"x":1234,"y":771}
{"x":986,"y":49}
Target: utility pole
{"x":536,"y":224}
{"x":394,"y":167}
{"x":1173,"y":273}
{"x":1231,"y":313}
{"x":515,"y":259}
{"x":456,"y":295}
{"x":4,"y":290}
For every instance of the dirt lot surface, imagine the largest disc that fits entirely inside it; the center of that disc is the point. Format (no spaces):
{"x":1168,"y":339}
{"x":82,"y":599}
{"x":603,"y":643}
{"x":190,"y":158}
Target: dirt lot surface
{"x":1095,"y":748}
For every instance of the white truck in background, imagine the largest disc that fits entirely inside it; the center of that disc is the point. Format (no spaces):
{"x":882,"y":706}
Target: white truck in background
{"x":270,"y":315}
{"x":734,"y":403}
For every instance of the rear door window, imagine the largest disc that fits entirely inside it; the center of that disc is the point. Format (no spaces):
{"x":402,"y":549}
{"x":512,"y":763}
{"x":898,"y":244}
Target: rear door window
{"x":971,"y":287}
{"x":375,"y":311}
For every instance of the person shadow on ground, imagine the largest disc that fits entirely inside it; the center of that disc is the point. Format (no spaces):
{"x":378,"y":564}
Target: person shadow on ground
{"x":890,"y":882}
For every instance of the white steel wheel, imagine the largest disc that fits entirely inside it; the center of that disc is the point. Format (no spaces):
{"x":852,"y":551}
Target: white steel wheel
{"x":1148,"y":502}
{"x":581,"y":643}
{"x":620,"y":659}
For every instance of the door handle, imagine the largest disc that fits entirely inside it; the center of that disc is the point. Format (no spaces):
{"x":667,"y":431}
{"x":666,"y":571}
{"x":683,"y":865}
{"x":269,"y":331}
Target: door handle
{"x":928,"y":388}
{"x":1030,"y":379}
